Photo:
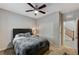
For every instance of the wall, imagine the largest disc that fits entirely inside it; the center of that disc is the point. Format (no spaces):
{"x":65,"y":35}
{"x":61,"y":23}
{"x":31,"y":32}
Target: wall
{"x":49,"y":28}
{"x":8,"y":21}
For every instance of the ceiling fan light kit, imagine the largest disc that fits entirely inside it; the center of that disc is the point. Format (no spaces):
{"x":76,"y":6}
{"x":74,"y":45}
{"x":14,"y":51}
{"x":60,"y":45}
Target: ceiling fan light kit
{"x":36,"y":9}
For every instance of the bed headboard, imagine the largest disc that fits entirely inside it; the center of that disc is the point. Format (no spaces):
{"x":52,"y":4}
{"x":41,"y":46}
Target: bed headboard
{"x":16,"y":31}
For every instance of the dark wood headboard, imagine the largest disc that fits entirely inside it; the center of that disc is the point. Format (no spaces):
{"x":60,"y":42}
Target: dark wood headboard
{"x":16,"y":31}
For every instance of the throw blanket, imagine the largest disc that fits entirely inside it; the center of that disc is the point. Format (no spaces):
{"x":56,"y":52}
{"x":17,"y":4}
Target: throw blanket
{"x":29,"y":45}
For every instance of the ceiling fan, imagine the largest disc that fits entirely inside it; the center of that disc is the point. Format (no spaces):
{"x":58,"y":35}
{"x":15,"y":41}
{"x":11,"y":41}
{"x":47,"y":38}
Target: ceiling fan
{"x":37,"y":9}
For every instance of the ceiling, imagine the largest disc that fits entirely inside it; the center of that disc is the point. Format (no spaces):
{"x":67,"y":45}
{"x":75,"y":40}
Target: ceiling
{"x":51,"y":8}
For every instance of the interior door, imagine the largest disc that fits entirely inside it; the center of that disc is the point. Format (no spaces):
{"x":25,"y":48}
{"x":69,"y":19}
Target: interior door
{"x":78,"y":36}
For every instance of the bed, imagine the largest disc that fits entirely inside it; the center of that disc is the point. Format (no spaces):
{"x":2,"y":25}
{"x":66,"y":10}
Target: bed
{"x":25,"y":43}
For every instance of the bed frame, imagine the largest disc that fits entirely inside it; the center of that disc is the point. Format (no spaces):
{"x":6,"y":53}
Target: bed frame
{"x":16,"y":31}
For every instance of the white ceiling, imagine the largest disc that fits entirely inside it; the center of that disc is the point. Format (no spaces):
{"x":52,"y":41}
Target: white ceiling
{"x":51,"y":8}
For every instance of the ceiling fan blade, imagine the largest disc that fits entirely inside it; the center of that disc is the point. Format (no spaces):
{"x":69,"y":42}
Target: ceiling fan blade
{"x":29,"y":10}
{"x":31,"y":5}
{"x":43,"y":6}
{"x":42,"y":12}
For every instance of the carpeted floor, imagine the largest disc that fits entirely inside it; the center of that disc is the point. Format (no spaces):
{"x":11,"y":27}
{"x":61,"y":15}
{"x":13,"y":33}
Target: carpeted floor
{"x":52,"y":51}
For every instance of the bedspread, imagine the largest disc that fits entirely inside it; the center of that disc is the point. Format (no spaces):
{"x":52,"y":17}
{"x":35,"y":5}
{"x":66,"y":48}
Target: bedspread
{"x":29,"y":45}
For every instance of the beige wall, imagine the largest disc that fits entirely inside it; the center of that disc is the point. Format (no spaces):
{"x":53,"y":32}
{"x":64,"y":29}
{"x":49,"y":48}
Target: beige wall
{"x":8,"y":21}
{"x":49,"y":28}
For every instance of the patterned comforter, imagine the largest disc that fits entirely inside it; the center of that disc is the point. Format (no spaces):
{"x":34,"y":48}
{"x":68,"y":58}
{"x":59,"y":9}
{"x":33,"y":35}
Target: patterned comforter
{"x":29,"y":45}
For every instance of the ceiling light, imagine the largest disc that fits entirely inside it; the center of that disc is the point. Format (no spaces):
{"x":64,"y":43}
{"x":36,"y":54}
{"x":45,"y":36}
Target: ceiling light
{"x":35,"y":11}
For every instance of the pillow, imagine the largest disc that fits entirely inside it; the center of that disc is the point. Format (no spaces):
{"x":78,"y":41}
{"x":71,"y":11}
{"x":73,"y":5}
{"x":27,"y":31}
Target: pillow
{"x":27,"y":34}
{"x":20,"y":35}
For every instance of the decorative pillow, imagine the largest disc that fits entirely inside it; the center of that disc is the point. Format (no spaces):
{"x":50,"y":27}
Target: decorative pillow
{"x":27,"y":34}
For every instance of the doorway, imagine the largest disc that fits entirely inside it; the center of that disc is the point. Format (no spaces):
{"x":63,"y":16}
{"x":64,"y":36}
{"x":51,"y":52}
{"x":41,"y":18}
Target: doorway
{"x":78,"y":35}
{"x":69,"y":34}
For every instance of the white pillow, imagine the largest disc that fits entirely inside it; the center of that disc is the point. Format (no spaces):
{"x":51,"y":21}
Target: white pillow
{"x":20,"y":35}
{"x":27,"y":34}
